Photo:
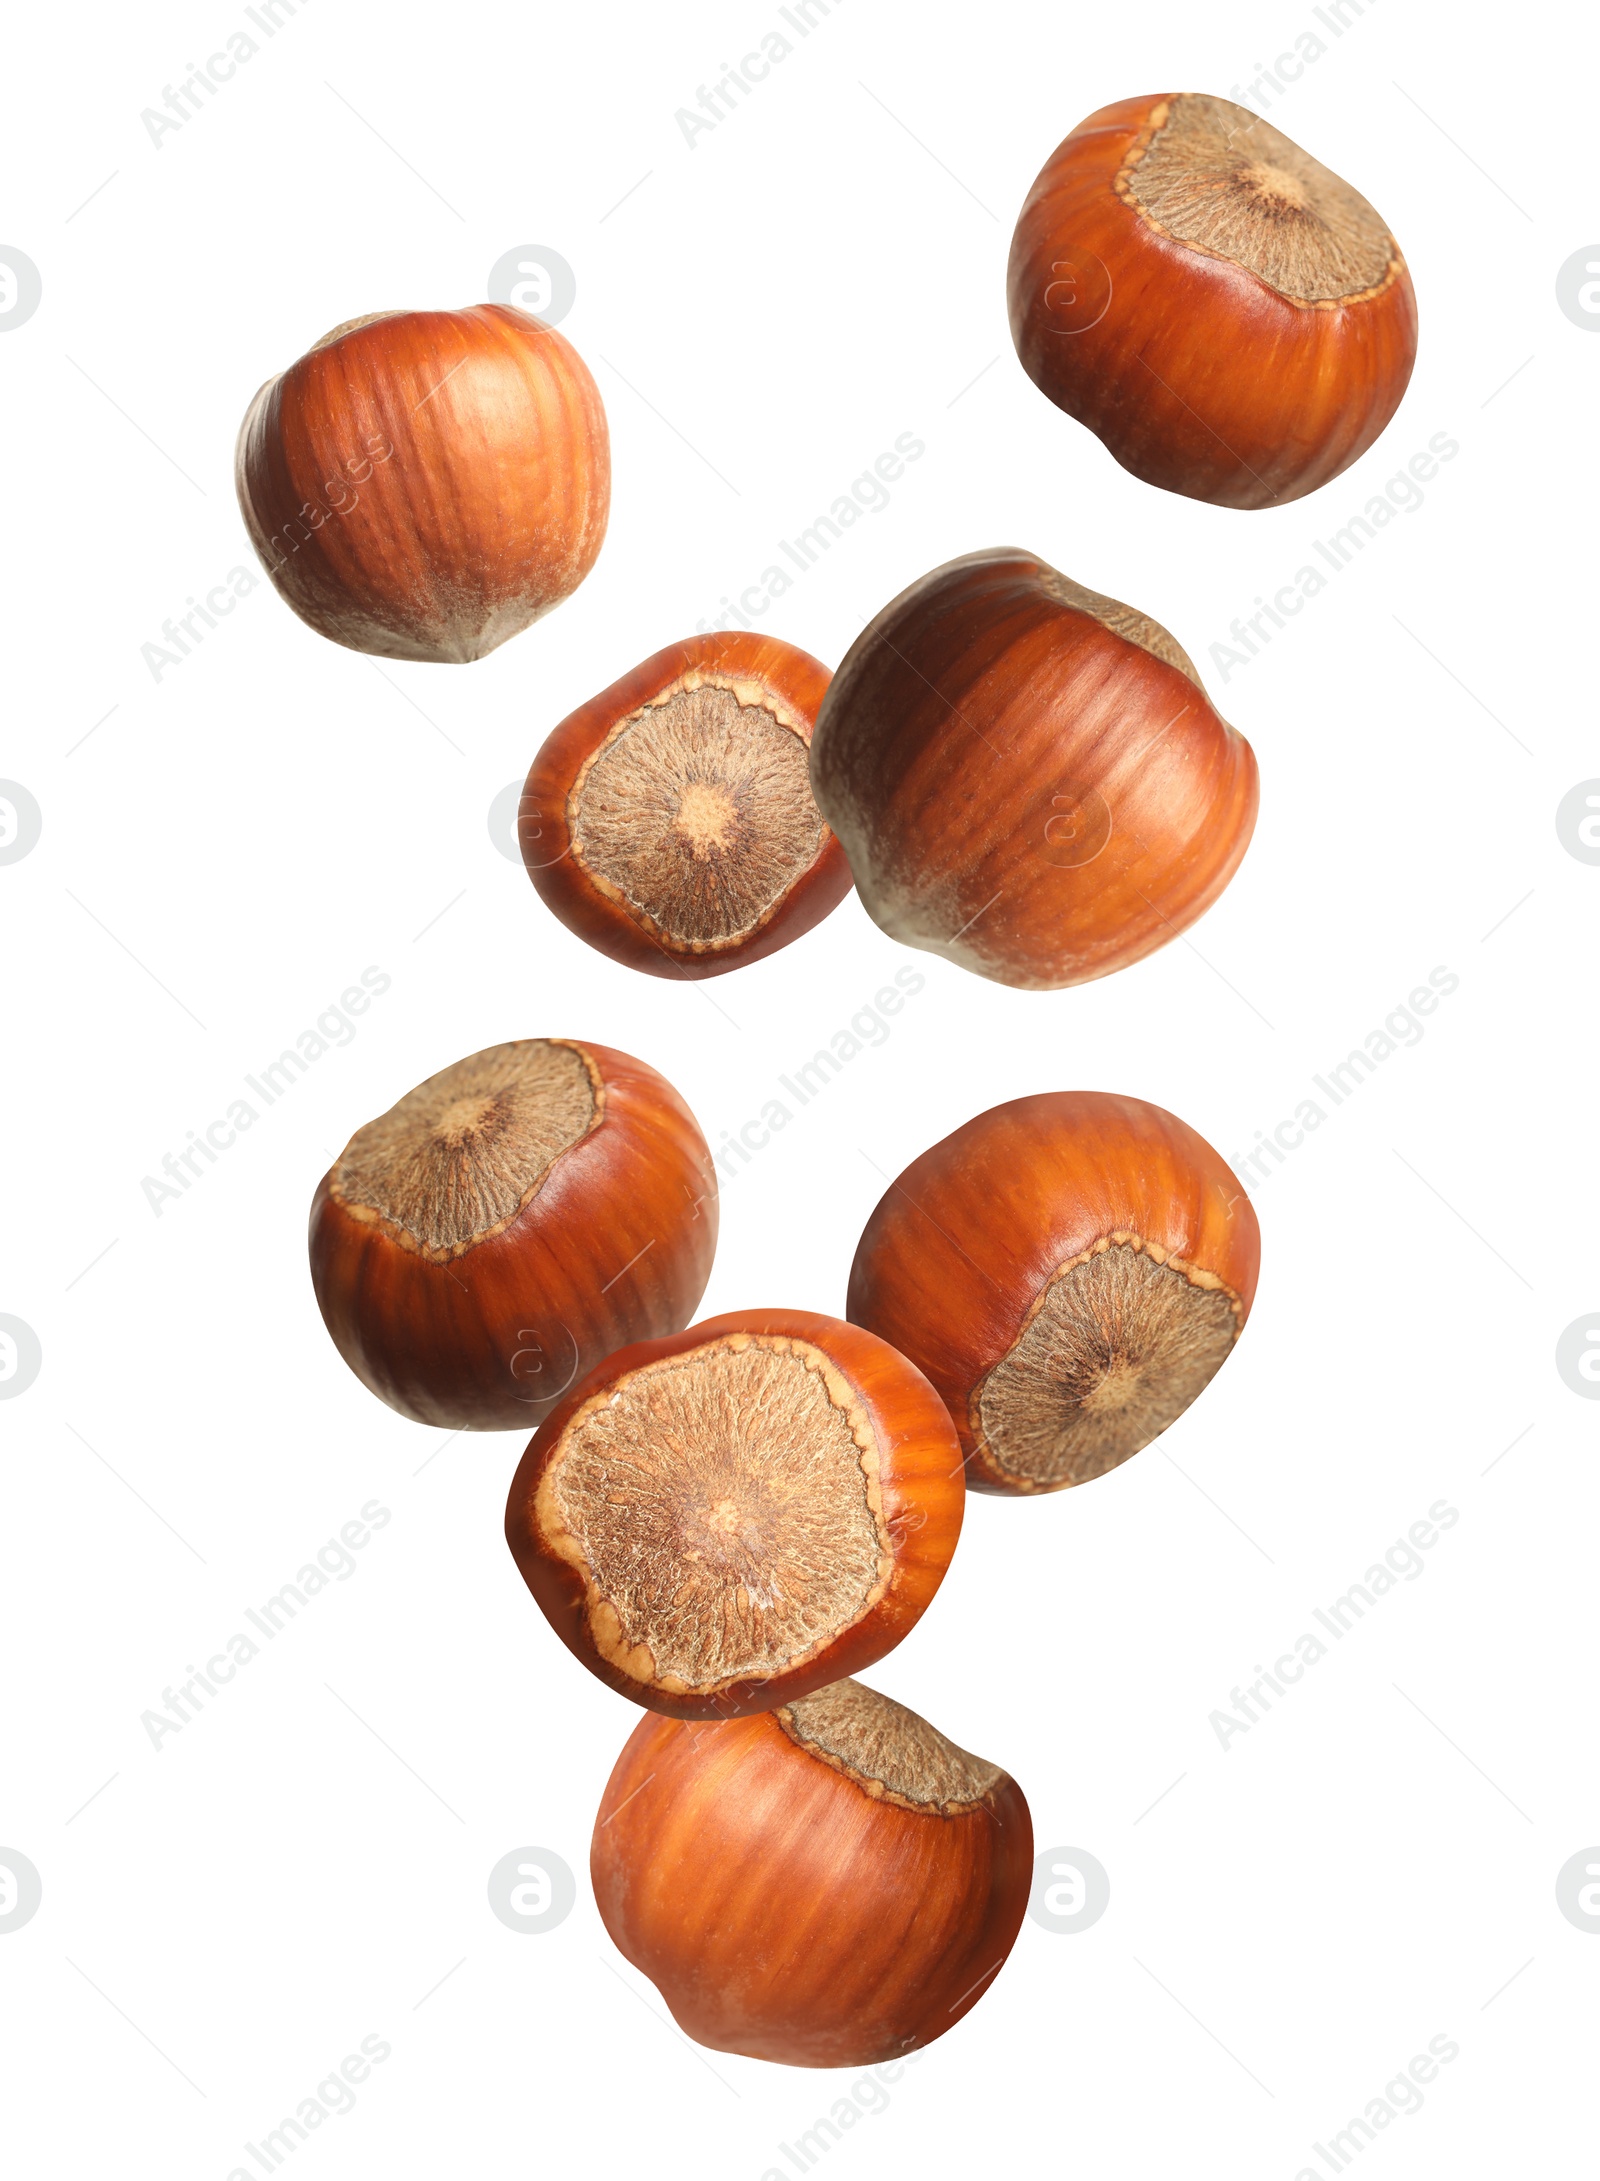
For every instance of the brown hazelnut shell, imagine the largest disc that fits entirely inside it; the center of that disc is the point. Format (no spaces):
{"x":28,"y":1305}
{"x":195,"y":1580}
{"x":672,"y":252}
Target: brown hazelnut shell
{"x":424,"y":484}
{"x":1197,"y":375}
{"x":960,"y":1247}
{"x":1021,"y":783}
{"x":922,"y":1499}
{"x":787,"y":1913}
{"x":616,"y":1242}
{"x":781,"y":678}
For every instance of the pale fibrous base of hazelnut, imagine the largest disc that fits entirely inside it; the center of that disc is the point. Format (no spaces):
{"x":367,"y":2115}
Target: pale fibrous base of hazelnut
{"x":696,"y":812}
{"x":722,"y":1508}
{"x":1125,"y":621}
{"x":458,"y":1157}
{"x":354,"y":325}
{"x":1116,"y":1346}
{"x":1223,"y":181}
{"x":888,"y":1751}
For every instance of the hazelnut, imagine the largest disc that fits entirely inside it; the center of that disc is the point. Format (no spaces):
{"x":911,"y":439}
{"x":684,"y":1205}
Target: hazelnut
{"x":720,"y":1521}
{"x":831,"y":1884}
{"x":1027,"y":777}
{"x":505,"y":1226}
{"x":670,"y":822}
{"x":1233,"y":321}
{"x":424,"y":484}
{"x":1070,"y":1270}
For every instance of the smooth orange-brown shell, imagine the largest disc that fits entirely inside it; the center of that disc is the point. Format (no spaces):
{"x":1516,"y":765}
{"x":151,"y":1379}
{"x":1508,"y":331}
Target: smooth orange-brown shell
{"x":1197,"y":375}
{"x":424,"y":484}
{"x":786,"y":1914}
{"x":976,"y":738}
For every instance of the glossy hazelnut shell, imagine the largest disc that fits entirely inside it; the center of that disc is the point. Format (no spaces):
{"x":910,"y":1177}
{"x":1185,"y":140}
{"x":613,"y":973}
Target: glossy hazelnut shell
{"x":489,"y":508}
{"x":785,"y":1914}
{"x":955,"y":1253}
{"x":1198,"y":376}
{"x":972,"y":724}
{"x":920,"y":1479}
{"x":544,"y":824}
{"x":616,"y":1243}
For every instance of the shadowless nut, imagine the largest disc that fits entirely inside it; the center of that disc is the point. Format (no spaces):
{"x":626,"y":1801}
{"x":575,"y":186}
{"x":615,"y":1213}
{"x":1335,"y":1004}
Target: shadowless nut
{"x":424,"y":484}
{"x":1233,"y":321}
{"x":1070,"y":1270}
{"x":831,"y":1884}
{"x":509,"y":1223}
{"x":719,"y":1522}
{"x":670,"y":822}
{"x":1027,"y":777}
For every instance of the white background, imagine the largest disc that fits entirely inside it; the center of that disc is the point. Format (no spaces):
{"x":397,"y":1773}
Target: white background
{"x":225,"y":849}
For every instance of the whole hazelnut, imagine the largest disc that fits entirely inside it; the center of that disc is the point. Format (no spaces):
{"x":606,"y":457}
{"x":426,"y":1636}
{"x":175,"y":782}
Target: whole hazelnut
{"x":1233,"y":321}
{"x":424,"y":484}
{"x":1070,"y":1270}
{"x":512,"y":1220}
{"x":670,"y":822}
{"x":1028,"y":777}
{"x":723,"y":1520}
{"x":831,"y":1884}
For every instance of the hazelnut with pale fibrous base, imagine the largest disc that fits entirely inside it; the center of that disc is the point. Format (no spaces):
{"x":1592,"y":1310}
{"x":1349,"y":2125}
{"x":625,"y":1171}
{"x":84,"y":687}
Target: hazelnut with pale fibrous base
{"x":720,"y":1521}
{"x":511,"y":1221}
{"x":1233,"y":321}
{"x":424,"y":484}
{"x":831,"y":1884}
{"x":1028,"y":777}
{"x":670,"y":821}
{"x":1070,"y":1270}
